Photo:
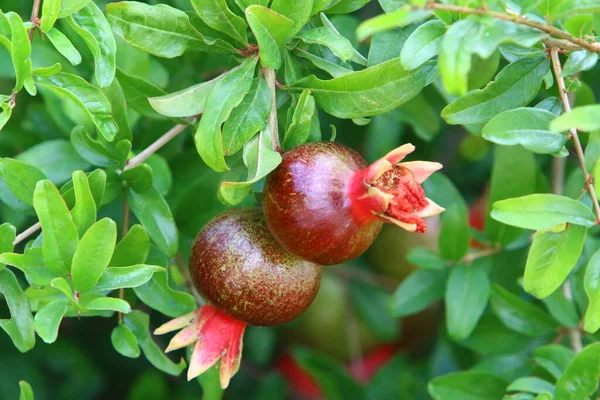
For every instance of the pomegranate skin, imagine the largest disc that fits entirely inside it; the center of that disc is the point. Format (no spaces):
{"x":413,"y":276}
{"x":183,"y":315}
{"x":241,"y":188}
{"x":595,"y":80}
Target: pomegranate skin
{"x":240,"y":268}
{"x":307,"y":206}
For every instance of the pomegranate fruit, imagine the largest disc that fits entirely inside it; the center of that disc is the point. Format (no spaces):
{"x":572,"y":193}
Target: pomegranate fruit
{"x":247,"y":278}
{"x":324,"y":204}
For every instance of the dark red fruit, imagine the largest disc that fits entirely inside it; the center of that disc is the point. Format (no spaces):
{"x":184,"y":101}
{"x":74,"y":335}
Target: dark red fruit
{"x":325,"y":205}
{"x":237,"y":266}
{"x":247,"y":278}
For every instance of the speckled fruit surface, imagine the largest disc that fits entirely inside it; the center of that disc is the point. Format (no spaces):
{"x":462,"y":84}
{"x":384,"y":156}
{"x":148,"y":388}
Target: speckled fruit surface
{"x":307,"y":207}
{"x":240,"y":268}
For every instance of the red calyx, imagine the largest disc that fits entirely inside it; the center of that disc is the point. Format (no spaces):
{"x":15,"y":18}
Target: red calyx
{"x":217,"y":336}
{"x":390,"y":191}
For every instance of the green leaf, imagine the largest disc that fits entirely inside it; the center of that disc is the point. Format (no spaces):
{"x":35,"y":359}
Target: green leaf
{"x":116,"y":97}
{"x":20,"y":327}
{"x":515,"y":86}
{"x":31,"y":263}
{"x":499,"y":31}
{"x":137,"y":91}
{"x":578,"y":61}
{"x":20,"y":52}
{"x":331,"y":68}
{"x":139,"y":178}
{"x":91,"y":150}
{"x":47,"y":320}
{"x":370,"y":302}
{"x":297,"y":10}
{"x":64,"y":46}
{"x":5,"y":114}
{"x":562,"y":309}
{"x":84,"y":211}
{"x":298,"y":132}
{"x":553,"y":358}
{"x":60,"y":233}
{"x":160,"y":30}
{"x":8,"y":234}
{"x":217,"y":15}
{"x":260,"y":159}
{"x":528,"y":127}
{"x":345,"y":6}
{"x":139,"y":323}
{"x":397,"y":19}
{"x":592,"y":289}
{"x":425,"y":258}
{"x":467,"y":294}
{"x":97,"y":183}
{"x":21,"y":178}
{"x":455,"y":54}
{"x":100,"y":303}
{"x":125,"y":342}
{"x":154,"y":213}
{"x":125,"y":277}
{"x":551,"y":257}
{"x":26,"y":392}
{"x":330,"y":375}
{"x":157,"y":294}
{"x":64,"y":286}
{"x":423,"y":44}
{"x":91,"y":24}
{"x":580,"y":379}
{"x":520,"y":315}
{"x":272,"y":30}
{"x":469,"y":385}
{"x":324,"y":36}
{"x":227,"y":94}
{"x":419,"y":290}
{"x":509,"y":161}
{"x":187,"y":102}
{"x":455,"y":234}
{"x":132,"y":249}
{"x":369,"y":92}
{"x":530,"y":384}
{"x":542,"y":211}
{"x":584,"y":118}
{"x":248,"y":118}
{"x":89,"y":97}
{"x":50,"y":10}
{"x":68,"y":7}
{"x":93,"y":254}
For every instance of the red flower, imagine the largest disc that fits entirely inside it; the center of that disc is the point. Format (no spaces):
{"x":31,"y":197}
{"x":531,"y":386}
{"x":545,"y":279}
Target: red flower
{"x":390,"y":190}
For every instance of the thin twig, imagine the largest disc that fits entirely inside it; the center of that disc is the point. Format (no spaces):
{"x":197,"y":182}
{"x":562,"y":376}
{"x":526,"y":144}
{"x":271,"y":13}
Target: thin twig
{"x":469,"y":258}
{"x":154,"y":147}
{"x":134,"y":162}
{"x":549,"y":29}
{"x":269,"y":74}
{"x":35,"y":12}
{"x":560,"y":81}
{"x":558,"y":180}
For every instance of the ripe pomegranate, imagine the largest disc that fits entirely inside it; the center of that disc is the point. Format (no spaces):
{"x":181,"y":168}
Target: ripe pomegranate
{"x":324,"y":204}
{"x":247,"y":278}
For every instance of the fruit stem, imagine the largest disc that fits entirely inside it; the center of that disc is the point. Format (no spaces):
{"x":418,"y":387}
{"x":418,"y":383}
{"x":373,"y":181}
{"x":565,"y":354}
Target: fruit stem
{"x":269,"y":74}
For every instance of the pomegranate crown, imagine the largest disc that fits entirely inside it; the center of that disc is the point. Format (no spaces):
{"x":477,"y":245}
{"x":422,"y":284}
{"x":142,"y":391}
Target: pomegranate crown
{"x":390,"y":190}
{"x":217,"y":336}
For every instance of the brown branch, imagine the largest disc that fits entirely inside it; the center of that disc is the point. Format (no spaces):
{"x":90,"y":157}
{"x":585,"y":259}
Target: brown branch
{"x":558,"y":178}
{"x":269,"y":74}
{"x":560,"y":82}
{"x":35,"y":20}
{"x":549,"y":29}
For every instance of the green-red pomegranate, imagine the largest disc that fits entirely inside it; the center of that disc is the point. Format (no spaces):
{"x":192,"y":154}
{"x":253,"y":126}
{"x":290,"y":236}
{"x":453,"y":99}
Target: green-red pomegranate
{"x":247,"y":278}
{"x":324,"y":204}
